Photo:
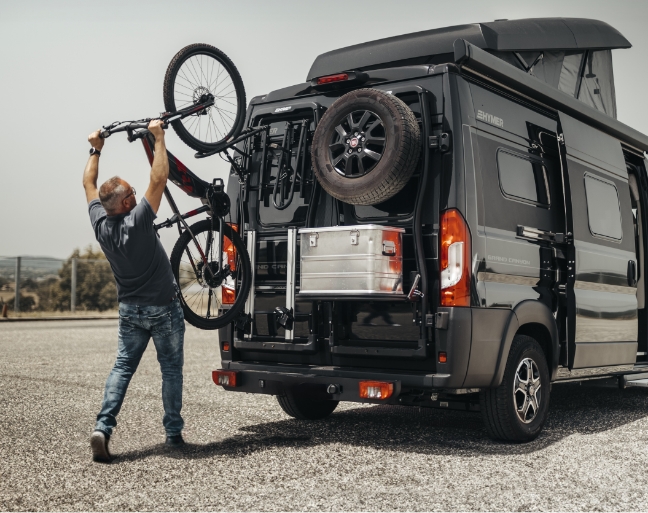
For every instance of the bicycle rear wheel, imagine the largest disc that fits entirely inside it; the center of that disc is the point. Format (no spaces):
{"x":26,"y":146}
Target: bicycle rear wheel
{"x":211,"y":297}
{"x":195,"y":71}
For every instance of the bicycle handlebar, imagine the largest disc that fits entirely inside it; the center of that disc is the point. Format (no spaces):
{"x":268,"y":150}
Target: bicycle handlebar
{"x":142,"y":124}
{"x":134,"y":125}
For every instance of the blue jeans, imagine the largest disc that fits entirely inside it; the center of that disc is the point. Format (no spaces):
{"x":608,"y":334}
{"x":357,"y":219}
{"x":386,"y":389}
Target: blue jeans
{"x":137,"y":324}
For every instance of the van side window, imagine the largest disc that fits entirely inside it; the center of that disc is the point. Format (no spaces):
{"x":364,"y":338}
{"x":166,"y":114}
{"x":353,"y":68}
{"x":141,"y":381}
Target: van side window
{"x":603,"y":211}
{"x":522,"y":178}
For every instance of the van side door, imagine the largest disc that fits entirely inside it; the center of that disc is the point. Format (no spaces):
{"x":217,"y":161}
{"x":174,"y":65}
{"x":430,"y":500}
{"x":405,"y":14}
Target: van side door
{"x":602,"y":324}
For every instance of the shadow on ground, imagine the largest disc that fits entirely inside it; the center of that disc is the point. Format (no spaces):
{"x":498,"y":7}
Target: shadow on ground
{"x":575,"y":409}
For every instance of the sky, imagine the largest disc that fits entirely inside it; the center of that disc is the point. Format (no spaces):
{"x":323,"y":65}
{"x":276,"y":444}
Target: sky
{"x":68,"y":67}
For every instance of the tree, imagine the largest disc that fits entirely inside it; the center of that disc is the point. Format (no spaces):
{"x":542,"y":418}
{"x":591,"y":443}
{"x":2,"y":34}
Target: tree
{"x":25,"y":304}
{"x":95,"y":289}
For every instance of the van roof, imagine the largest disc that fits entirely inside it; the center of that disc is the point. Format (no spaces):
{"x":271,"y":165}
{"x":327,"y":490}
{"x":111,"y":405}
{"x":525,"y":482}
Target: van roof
{"x":502,"y":35}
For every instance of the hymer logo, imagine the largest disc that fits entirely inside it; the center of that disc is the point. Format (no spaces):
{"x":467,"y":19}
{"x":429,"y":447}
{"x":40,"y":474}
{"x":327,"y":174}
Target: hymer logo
{"x":489,"y":118}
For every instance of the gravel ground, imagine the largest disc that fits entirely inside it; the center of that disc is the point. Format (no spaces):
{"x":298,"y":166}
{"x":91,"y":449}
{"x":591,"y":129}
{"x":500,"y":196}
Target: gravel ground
{"x":244,"y":453}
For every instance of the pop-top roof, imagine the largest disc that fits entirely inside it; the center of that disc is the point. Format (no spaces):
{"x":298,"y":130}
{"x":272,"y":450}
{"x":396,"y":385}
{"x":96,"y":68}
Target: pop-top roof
{"x":514,"y":35}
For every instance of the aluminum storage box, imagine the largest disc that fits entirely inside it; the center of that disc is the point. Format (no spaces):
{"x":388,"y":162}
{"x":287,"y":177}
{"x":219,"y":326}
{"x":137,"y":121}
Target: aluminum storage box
{"x":364,"y":260}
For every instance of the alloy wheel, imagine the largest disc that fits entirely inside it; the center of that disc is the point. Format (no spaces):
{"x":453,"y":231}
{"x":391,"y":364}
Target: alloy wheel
{"x":357,"y":144}
{"x":527,"y":390}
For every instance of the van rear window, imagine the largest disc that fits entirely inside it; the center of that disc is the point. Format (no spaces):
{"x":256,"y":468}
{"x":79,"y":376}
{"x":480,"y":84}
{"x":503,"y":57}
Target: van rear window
{"x":522,"y":178}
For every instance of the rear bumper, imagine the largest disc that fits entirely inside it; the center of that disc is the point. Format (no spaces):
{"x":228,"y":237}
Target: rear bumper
{"x":315,"y":382}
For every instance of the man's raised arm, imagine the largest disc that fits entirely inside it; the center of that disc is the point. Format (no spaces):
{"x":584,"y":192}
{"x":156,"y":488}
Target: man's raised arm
{"x":160,"y":167}
{"x":91,"y":171}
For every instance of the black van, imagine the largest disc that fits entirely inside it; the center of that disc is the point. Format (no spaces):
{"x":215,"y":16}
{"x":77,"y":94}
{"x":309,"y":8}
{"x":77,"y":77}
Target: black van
{"x":482,"y":175}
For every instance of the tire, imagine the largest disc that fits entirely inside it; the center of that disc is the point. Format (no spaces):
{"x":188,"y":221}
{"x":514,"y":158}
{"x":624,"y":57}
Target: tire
{"x":221,"y":122}
{"x":364,"y":170}
{"x":499,"y":405}
{"x":303,"y":408}
{"x":185,"y":277}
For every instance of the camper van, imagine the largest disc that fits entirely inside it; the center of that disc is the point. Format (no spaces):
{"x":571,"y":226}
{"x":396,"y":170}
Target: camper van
{"x":453,"y":218}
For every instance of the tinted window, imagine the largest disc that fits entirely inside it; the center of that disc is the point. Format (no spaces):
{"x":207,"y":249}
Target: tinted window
{"x":603,"y":208}
{"x":522,"y":178}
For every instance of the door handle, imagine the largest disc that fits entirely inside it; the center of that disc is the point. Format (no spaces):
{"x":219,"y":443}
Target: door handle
{"x":528,"y":233}
{"x":632,"y":273}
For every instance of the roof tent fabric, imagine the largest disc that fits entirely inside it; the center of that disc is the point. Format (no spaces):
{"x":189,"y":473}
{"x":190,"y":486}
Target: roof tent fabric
{"x":597,"y":86}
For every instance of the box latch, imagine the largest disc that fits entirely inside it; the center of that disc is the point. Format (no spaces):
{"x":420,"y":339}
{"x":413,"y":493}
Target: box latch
{"x":355,"y":235}
{"x":389,"y":248}
{"x":313,"y":239}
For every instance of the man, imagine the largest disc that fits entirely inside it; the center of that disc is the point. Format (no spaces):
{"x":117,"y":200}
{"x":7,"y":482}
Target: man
{"x":146,"y":289}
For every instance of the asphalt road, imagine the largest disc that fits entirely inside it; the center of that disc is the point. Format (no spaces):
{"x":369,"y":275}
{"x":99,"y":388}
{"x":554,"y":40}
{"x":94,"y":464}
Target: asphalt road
{"x":244,"y":453}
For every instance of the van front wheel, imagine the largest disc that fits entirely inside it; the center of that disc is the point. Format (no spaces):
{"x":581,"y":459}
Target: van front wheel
{"x":517,"y":409}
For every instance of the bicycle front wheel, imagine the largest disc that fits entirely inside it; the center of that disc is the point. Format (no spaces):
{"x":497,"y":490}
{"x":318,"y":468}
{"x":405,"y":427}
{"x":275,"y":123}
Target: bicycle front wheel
{"x":211,"y":297}
{"x":196,"y":71}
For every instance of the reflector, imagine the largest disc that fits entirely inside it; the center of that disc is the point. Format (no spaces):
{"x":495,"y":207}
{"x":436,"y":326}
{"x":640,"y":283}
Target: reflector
{"x":225,"y":378}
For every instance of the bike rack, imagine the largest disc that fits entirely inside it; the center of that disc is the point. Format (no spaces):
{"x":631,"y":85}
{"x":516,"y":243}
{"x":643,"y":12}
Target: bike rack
{"x":291,"y":264}
{"x":249,"y":304}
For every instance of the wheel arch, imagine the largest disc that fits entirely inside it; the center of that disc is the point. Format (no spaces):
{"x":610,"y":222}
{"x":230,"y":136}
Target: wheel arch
{"x":535,"y":320}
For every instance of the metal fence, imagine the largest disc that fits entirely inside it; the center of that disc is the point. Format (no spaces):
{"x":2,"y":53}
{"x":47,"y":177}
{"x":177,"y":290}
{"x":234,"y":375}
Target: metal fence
{"x":48,"y":284}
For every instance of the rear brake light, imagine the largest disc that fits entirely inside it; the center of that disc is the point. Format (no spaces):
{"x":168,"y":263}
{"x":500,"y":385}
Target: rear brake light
{"x":339,"y":77}
{"x":226,"y":346}
{"x":376,"y":390}
{"x":225,"y":378}
{"x":455,"y":259}
{"x":443,"y":357}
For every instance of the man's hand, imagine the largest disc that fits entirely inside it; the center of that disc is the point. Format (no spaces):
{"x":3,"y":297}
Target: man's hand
{"x":96,"y":141}
{"x":155,"y":127}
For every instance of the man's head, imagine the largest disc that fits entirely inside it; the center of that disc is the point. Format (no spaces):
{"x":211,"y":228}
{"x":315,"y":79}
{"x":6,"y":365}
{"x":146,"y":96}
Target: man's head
{"x":117,"y":196}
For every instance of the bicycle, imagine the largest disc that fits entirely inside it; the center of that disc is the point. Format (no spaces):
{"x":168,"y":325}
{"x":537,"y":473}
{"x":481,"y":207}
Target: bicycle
{"x":209,"y":260}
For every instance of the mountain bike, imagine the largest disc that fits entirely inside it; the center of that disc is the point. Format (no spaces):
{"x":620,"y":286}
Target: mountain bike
{"x":205,"y":104}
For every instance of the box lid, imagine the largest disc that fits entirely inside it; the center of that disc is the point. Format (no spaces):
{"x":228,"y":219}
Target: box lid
{"x":358,"y":227}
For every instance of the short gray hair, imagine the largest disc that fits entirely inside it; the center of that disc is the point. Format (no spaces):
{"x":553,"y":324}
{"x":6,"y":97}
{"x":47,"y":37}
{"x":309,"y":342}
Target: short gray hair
{"x":110,"y":194}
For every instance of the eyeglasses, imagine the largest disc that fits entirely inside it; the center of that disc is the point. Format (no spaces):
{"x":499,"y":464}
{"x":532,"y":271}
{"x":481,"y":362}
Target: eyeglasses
{"x":131,"y":193}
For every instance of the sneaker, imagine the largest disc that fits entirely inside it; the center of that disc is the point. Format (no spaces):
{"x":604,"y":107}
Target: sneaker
{"x":99,"y":444}
{"x":174,"y":440}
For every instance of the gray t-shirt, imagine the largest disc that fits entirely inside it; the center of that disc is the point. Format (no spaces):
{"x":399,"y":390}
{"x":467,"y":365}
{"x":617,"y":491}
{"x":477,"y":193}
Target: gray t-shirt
{"x":138,"y":260}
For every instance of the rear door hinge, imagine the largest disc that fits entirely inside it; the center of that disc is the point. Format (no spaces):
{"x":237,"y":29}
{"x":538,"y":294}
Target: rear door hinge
{"x":440,"y":142}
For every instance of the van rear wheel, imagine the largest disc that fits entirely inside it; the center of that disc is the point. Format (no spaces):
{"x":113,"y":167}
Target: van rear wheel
{"x":305,"y":408}
{"x":517,"y":409}
{"x":366,"y":147}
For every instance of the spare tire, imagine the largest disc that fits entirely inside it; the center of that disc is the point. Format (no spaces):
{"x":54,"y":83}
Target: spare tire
{"x":366,"y":147}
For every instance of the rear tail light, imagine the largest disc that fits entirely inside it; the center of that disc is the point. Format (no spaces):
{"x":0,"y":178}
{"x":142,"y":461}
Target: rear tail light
{"x":376,"y":390}
{"x":225,"y":378}
{"x":229,"y":251}
{"x":226,"y":346}
{"x":229,"y":257}
{"x":338,"y":77}
{"x":443,"y":357}
{"x":455,"y":259}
